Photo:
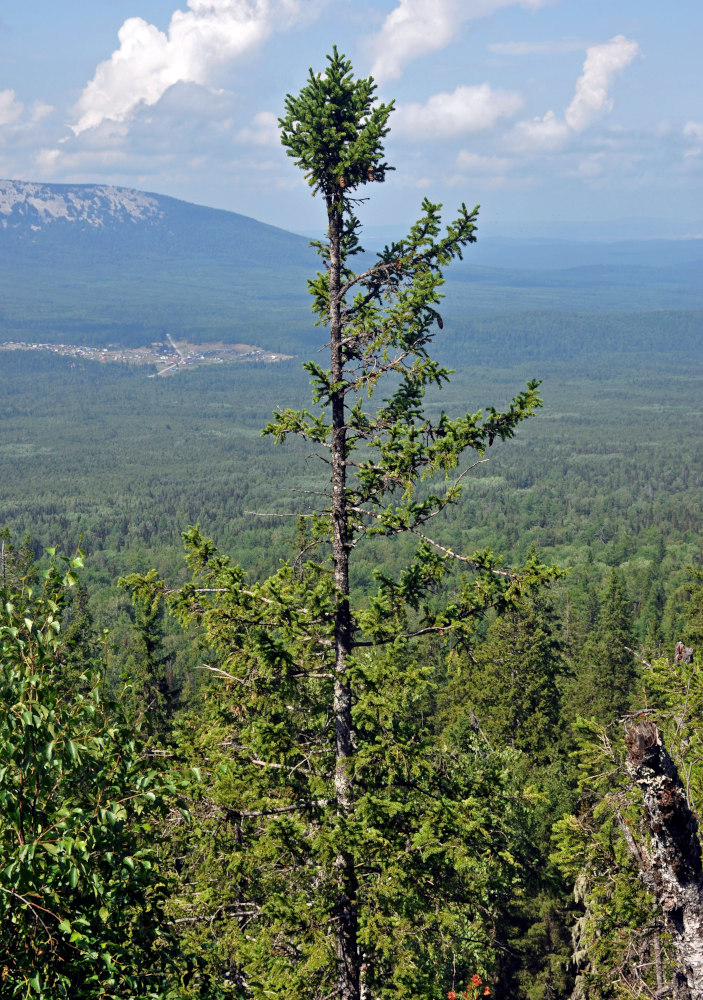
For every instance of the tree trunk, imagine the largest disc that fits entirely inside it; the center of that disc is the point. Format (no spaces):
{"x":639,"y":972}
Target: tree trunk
{"x":672,"y":866}
{"x":346,"y":910}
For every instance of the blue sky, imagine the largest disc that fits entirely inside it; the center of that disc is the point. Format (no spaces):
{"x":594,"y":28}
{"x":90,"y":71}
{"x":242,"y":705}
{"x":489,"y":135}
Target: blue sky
{"x":544,"y":111}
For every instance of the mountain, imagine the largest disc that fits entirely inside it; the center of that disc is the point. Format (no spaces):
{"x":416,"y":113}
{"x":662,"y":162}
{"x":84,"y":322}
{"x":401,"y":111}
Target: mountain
{"x":99,"y":265}
{"x":36,"y":206}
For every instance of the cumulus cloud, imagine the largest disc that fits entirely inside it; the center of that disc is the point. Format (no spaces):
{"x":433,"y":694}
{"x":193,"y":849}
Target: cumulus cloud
{"x":263,"y":130}
{"x":199,"y":39}
{"x":603,"y":63}
{"x":416,"y":27}
{"x":10,"y":108}
{"x":591,"y":98}
{"x":188,"y":134}
{"x":547,"y":133}
{"x":466,"y":109}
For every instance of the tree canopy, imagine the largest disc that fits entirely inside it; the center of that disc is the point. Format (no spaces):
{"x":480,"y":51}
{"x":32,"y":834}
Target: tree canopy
{"x":82,"y":889}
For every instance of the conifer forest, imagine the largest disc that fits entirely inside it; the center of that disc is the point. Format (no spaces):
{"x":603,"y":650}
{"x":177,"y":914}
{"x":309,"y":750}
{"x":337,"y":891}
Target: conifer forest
{"x":375,"y":679}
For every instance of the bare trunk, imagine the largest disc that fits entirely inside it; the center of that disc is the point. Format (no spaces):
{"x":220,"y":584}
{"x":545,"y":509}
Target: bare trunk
{"x":672,"y":868}
{"x":346,"y":913}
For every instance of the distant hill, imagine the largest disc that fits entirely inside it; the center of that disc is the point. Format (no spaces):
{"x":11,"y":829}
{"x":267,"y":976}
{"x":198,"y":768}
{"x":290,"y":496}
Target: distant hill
{"x":100,"y":265}
{"x":96,"y":264}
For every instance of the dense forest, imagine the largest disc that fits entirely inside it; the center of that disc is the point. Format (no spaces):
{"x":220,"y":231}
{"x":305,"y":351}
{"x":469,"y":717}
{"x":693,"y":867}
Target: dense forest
{"x":418,"y":714}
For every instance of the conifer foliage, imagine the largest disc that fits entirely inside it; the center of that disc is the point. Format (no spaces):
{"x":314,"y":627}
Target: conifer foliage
{"x":606,"y":674}
{"x":348,"y":848}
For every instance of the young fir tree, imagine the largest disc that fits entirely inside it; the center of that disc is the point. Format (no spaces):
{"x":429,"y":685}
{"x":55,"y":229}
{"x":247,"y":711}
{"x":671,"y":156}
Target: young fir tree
{"x":606,"y":672}
{"x":514,"y":684}
{"x":148,"y":698}
{"x":82,"y":651}
{"x":366,"y":855}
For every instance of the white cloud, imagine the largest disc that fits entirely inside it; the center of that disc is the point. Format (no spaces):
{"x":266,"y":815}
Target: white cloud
{"x":10,"y":108}
{"x":47,"y":161}
{"x":199,"y":39}
{"x":40,"y":111}
{"x":590,"y":166}
{"x":263,"y":130}
{"x":693,"y":130}
{"x":489,"y":166}
{"x":550,"y":132}
{"x":416,"y":27}
{"x":466,"y":109}
{"x":602,"y":64}
{"x":536,"y":48}
{"x":547,"y":133}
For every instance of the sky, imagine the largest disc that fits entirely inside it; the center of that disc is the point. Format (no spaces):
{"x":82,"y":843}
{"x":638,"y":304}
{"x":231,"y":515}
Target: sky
{"x":545,"y":112}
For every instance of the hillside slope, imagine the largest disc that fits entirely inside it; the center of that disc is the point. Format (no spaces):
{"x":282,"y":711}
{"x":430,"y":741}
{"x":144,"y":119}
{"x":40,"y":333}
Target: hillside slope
{"x":98,"y":265}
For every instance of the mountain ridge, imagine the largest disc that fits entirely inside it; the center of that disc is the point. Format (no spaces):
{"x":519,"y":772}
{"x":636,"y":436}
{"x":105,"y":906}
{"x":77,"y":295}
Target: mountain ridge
{"x":99,"y":264}
{"x":21,"y":201}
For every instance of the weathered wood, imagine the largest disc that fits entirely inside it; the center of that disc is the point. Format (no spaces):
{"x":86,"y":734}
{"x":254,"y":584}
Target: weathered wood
{"x":671,"y":866}
{"x":683,"y":654}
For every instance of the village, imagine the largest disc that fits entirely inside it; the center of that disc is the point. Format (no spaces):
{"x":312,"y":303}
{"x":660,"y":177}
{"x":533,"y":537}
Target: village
{"x":165,"y":357}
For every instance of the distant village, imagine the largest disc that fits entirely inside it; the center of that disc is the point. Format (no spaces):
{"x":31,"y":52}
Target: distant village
{"x":165,"y":357}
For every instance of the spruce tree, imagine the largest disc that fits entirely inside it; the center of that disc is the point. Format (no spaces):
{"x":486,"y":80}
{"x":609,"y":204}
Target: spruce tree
{"x":514,"y":684}
{"x":606,"y":670}
{"x":693,"y":632}
{"x":148,"y":698}
{"x":17,"y":565}
{"x":82,"y":656}
{"x":366,"y":853}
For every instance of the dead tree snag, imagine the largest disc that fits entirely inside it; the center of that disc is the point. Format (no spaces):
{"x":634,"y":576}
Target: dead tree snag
{"x":671,"y":866}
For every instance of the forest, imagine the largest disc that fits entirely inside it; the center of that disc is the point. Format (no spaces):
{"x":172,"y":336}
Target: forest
{"x":316,"y":684}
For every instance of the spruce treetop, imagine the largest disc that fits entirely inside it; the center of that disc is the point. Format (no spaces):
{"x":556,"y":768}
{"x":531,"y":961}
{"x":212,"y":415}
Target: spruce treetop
{"x":334,"y":130}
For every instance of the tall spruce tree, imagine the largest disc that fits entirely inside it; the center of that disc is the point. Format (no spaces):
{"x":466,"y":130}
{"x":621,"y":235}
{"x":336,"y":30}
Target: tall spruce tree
{"x":365,"y":853}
